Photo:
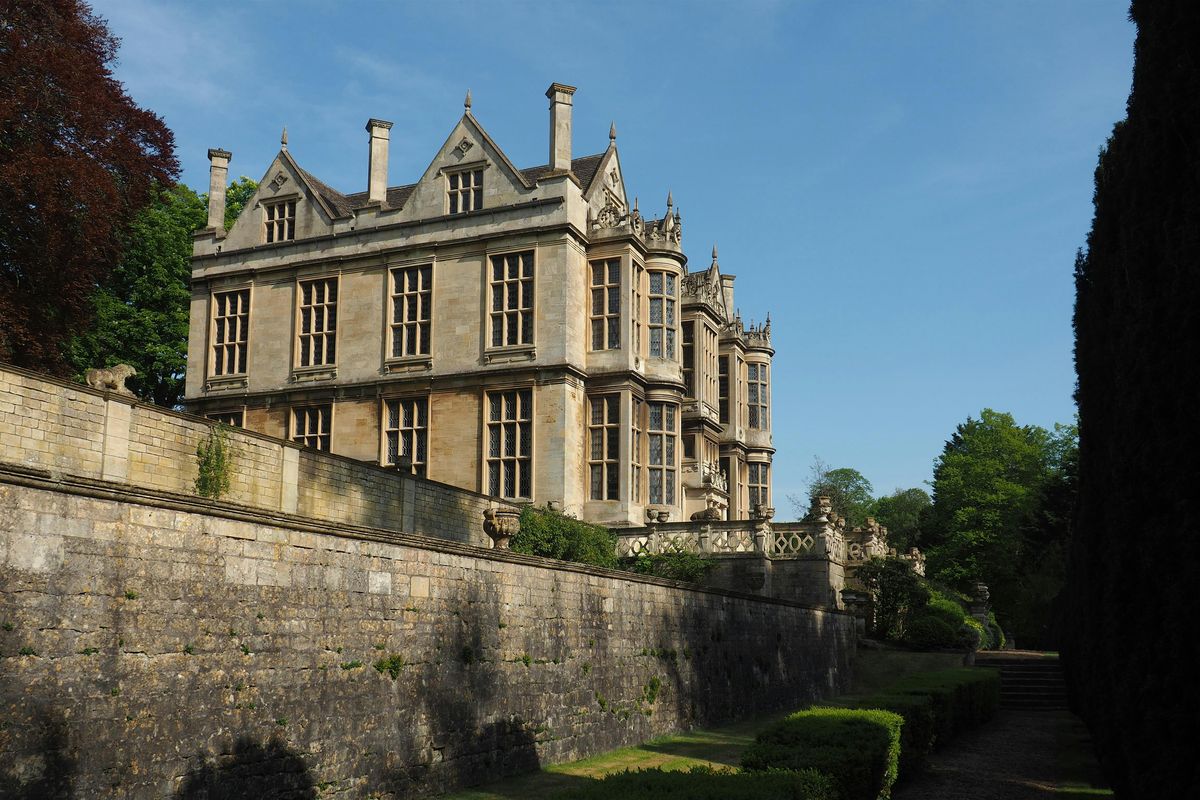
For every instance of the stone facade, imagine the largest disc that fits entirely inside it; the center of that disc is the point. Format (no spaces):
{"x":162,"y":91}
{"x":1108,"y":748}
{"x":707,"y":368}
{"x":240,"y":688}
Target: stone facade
{"x":523,"y":333}
{"x":152,"y":648}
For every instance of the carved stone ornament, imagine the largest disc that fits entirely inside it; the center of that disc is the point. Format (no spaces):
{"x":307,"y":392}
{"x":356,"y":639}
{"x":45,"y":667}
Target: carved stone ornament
{"x":762,"y":512}
{"x":614,"y":180}
{"x":501,"y":525}
{"x":465,"y":145}
{"x":609,"y":217}
{"x":111,"y":379}
{"x":278,"y":181}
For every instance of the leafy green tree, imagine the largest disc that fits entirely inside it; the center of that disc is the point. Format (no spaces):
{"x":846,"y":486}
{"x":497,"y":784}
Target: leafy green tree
{"x":986,"y":484}
{"x":899,"y":593}
{"x":78,"y":161}
{"x":846,"y":488}
{"x":141,"y":309}
{"x":1046,"y":537}
{"x":236,"y":197}
{"x":902,"y":513}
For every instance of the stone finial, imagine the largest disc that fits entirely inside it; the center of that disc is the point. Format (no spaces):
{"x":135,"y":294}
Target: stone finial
{"x":635,"y":207}
{"x":670,"y":202}
{"x":612,"y":131}
{"x":283,"y":139}
{"x":467,"y":101}
{"x":714,"y":252}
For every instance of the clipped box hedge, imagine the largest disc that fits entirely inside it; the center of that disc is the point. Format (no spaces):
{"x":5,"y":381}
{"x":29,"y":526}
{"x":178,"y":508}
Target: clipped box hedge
{"x":703,"y":783}
{"x":920,"y":725}
{"x":962,"y":698}
{"x":858,"y":748}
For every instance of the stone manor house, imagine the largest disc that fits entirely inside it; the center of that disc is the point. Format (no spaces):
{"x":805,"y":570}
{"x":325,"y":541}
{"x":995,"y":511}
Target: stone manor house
{"x":524,"y":333}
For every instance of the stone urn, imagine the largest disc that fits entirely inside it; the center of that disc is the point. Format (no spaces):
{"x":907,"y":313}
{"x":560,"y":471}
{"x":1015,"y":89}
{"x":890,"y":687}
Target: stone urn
{"x":501,"y":524}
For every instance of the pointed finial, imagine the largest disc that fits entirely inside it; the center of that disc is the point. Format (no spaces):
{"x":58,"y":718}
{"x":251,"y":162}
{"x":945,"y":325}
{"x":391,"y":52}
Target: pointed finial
{"x":612,"y":131}
{"x":283,"y":139}
{"x":670,"y":199}
{"x":467,"y":102}
{"x":635,"y":208}
{"x":714,"y":252}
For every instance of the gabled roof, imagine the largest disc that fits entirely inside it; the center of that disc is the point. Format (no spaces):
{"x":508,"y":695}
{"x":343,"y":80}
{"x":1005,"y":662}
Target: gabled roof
{"x":340,"y":205}
{"x":584,"y":168}
{"x":397,"y":196}
{"x":338,"y":202}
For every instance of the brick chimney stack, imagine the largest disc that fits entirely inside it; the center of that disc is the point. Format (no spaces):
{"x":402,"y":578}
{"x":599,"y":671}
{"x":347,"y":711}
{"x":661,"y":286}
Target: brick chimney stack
{"x":377,"y":166}
{"x":218,"y":178}
{"x":560,"y":126}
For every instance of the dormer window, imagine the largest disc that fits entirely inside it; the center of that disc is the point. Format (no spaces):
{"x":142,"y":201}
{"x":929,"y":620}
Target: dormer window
{"x":280,"y":221}
{"x":465,"y":191}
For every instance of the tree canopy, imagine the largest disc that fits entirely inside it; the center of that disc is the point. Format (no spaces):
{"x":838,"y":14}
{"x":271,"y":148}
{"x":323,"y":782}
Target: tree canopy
{"x":78,"y":160}
{"x":902,"y":512}
{"x":236,"y":197}
{"x":847,"y":489}
{"x":141,"y":309}
{"x":996,"y":488}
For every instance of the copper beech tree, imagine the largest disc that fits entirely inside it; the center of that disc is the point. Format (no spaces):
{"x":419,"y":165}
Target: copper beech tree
{"x":78,"y":160}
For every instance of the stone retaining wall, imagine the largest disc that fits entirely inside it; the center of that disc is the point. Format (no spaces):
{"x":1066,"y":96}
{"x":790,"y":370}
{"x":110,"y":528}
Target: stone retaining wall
{"x":165,"y":646}
{"x":72,"y":429}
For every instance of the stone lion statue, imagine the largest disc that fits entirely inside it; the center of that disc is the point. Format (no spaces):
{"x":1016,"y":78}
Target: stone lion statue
{"x":111,"y":379}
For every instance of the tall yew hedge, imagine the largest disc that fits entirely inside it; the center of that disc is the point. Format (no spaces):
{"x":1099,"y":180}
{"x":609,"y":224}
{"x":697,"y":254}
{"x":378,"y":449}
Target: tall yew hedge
{"x":1131,"y":626}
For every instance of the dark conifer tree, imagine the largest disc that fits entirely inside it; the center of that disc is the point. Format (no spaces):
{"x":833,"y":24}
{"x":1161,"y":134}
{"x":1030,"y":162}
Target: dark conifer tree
{"x":1131,"y":612}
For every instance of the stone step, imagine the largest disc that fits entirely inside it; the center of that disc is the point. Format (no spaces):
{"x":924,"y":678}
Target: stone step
{"x":1028,"y":683}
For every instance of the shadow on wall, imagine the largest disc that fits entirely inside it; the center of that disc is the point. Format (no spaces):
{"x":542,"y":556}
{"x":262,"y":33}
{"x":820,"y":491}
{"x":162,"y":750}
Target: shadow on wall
{"x":450,"y":724}
{"x":252,"y":770}
{"x":47,"y":776}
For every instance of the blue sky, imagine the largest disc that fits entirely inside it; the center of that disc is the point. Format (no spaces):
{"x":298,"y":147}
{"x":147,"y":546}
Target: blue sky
{"x":902,"y":185}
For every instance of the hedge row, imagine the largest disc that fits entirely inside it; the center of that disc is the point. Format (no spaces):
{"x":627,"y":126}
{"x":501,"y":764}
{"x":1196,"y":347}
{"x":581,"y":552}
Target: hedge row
{"x":935,"y":706}
{"x":858,"y":748}
{"x":865,"y":742}
{"x":703,"y":783}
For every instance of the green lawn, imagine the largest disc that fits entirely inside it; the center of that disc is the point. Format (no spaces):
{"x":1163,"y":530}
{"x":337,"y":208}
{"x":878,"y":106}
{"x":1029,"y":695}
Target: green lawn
{"x":717,"y":747}
{"x":722,"y":747}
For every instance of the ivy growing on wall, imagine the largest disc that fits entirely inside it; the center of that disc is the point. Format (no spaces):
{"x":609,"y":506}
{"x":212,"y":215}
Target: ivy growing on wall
{"x":213,"y":462}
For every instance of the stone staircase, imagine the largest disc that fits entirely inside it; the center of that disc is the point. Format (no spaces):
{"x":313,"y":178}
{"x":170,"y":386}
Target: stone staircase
{"x":1028,"y":680}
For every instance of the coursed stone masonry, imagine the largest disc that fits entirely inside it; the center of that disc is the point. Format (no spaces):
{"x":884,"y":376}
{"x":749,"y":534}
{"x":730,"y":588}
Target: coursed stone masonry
{"x":72,"y":429}
{"x":158,"y":645}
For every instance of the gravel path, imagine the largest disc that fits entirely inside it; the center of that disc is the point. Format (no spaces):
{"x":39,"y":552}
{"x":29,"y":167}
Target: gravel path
{"x":1019,"y":755}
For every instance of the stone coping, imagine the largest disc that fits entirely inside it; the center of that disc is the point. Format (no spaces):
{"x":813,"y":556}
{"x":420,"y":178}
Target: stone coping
{"x":106,"y":490}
